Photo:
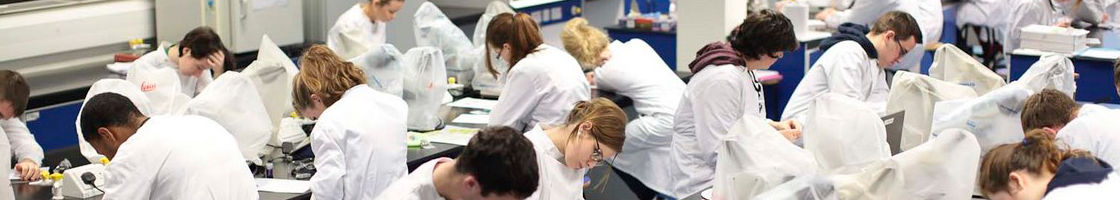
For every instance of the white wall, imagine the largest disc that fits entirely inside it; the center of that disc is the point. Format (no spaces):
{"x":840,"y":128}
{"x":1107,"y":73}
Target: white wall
{"x":704,"y":21}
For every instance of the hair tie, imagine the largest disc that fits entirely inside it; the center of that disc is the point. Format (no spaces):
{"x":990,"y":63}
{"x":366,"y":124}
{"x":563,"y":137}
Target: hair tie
{"x":1024,"y":143}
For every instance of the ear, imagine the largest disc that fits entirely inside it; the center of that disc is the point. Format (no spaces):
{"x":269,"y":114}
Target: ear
{"x":186,"y":51}
{"x":889,"y":35}
{"x":506,"y":45}
{"x":316,"y":97}
{"x":1051,"y":131}
{"x":586,"y":126}
{"x":471,"y":185}
{"x":106,"y":134}
{"x":1015,"y":183}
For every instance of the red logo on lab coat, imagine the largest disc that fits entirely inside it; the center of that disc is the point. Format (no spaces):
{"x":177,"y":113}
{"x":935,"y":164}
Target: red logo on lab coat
{"x":147,"y":87}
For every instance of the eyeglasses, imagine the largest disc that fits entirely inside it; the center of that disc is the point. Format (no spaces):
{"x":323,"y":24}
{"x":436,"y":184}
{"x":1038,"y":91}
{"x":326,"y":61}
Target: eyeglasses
{"x":498,"y":56}
{"x":901,"y":51}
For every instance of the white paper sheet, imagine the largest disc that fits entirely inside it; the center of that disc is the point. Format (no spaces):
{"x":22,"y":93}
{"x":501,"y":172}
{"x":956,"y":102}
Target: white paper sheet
{"x":282,"y":185}
{"x":264,"y":4}
{"x":453,"y":135}
{"x":474,"y":103}
{"x":1102,"y":53}
{"x":472,"y":119}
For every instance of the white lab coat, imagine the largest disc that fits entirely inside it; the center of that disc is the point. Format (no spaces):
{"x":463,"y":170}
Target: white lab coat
{"x":418,"y":185}
{"x":542,"y":88}
{"x":1109,"y":187}
{"x":6,"y":167}
{"x":636,"y":71}
{"x":354,"y":33}
{"x":1025,"y":13}
{"x":359,"y":145}
{"x":844,"y":69}
{"x":715,"y":98}
{"x":988,"y":13}
{"x":22,"y":142}
{"x":157,"y":59}
{"x":1097,"y":133}
{"x":928,"y":14}
{"x":118,"y":86}
{"x":179,"y":157}
{"x":557,"y":181}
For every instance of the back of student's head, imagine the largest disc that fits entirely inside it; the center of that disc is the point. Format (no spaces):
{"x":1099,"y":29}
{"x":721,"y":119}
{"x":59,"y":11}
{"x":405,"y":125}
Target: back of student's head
{"x":325,"y":74}
{"x":518,"y":30}
{"x":763,"y":32}
{"x":608,"y":121}
{"x":15,"y":90}
{"x":1048,"y":109}
{"x":203,"y":42}
{"x":105,"y":110}
{"x":903,"y":25}
{"x":377,"y":2}
{"x":1037,"y":153}
{"x":502,"y":160}
{"x":584,"y":42}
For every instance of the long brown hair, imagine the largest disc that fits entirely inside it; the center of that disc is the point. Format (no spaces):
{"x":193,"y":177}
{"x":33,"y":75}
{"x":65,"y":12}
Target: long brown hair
{"x":608,"y":121}
{"x":519,"y":31}
{"x":1037,"y":153}
{"x":325,"y":74}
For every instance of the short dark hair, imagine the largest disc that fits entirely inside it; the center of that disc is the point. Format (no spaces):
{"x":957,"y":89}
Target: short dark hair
{"x":502,"y":160}
{"x":104,"y":110}
{"x":903,"y":25}
{"x":763,"y":33}
{"x":1047,"y":108}
{"x":203,"y":41}
{"x":15,"y":89}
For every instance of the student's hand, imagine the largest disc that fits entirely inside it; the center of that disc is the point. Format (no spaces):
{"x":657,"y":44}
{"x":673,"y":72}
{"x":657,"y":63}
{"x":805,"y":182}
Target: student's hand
{"x":1062,"y":23}
{"x":791,"y":135}
{"x":824,"y":14}
{"x":1104,"y":18}
{"x":590,"y":78}
{"x":216,"y":61}
{"x":786,"y":125}
{"x":28,"y":170}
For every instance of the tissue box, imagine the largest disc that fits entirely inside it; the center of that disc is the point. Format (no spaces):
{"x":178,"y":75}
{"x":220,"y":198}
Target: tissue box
{"x":1053,"y":39}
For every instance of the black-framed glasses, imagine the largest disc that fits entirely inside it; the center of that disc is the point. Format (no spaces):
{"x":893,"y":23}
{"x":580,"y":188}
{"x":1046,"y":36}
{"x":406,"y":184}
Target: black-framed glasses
{"x":901,"y":51}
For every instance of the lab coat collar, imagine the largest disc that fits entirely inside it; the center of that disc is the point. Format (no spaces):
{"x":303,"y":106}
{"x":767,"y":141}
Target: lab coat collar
{"x":854,"y":32}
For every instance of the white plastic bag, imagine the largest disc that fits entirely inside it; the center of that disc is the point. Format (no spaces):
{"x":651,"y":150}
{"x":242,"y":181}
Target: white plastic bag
{"x":755,"y":159}
{"x":244,"y":116}
{"x":424,"y":88}
{"x":382,"y":65}
{"x":122,"y":87}
{"x":993,"y":118}
{"x":434,"y":29}
{"x":953,"y":65}
{"x":291,"y":130}
{"x":483,"y":81}
{"x":881,"y":179}
{"x":843,"y":131}
{"x":272,"y":75}
{"x":1053,"y":71}
{"x":162,"y":87}
{"x":943,"y":168}
{"x":916,"y":94}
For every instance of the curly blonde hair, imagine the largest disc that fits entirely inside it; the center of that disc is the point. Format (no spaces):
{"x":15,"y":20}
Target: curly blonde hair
{"x":584,"y":42}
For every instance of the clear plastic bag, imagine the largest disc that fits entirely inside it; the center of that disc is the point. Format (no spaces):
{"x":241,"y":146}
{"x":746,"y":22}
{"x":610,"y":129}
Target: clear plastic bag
{"x":244,"y":116}
{"x":483,"y":80}
{"x":993,"y":118}
{"x":756,"y":158}
{"x":122,"y":87}
{"x":953,"y":65}
{"x":272,"y":75}
{"x":1053,"y":71}
{"x":943,"y":168}
{"x":425,"y":87}
{"x":382,"y":65}
{"x":162,"y":87}
{"x":843,"y":131}
{"x":916,"y":94}
{"x":434,"y":29}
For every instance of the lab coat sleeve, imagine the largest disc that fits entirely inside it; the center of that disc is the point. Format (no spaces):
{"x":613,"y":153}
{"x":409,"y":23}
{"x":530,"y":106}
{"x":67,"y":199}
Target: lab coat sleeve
{"x":517,"y":102}
{"x":863,"y":12}
{"x":716,"y":109}
{"x":845,"y":72}
{"x":23,"y":143}
{"x":330,"y":162}
{"x":1021,"y":16}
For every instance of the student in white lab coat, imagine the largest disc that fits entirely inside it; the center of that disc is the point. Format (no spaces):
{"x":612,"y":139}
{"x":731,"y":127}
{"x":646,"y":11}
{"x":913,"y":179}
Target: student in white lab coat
{"x":853,"y":62}
{"x":592,"y":133}
{"x":1028,"y":12}
{"x":497,"y":163}
{"x":1038,"y":168}
{"x":634,"y":70}
{"x":362,"y":26}
{"x":164,"y":157}
{"x":928,"y":13}
{"x":359,"y":139}
{"x":200,"y":52}
{"x":722,"y":90}
{"x":543,"y":81}
{"x":14,"y":94}
{"x":1072,"y":124}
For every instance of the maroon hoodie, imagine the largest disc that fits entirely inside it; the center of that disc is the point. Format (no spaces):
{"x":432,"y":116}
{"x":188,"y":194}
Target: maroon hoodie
{"x":716,"y":53}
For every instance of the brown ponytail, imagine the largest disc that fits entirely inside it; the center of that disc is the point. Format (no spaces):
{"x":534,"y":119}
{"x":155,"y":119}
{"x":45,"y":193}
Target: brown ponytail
{"x":608,"y":121}
{"x":519,"y":31}
{"x":325,"y":74}
{"x":1037,"y":153}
